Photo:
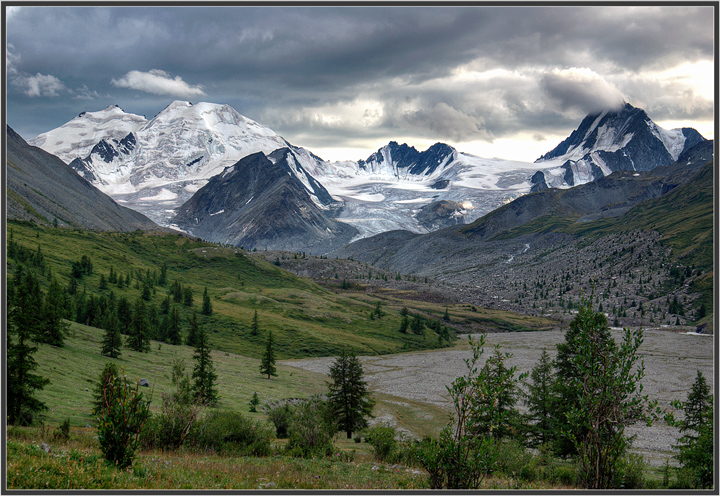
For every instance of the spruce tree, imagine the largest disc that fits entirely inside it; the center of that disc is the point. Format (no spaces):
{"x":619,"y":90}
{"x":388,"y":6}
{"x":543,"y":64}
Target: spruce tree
{"x":187,"y":297}
{"x":541,"y":402}
{"x":139,"y":339}
{"x":207,"y":304}
{"x":695,"y":448}
{"x":162,"y":279}
{"x":22,"y":330}
{"x":193,"y":331}
{"x":172,"y":331}
{"x":112,"y":341}
{"x":124,"y":315}
{"x":53,"y":328}
{"x":203,"y":374}
{"x":348,"y":394}
{"x":267,"y":363}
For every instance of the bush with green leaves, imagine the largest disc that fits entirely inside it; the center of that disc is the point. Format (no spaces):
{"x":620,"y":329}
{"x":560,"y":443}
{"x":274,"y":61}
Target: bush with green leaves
{"x":121,"y":418}
{"x":279,"y":416}
{"x":382,"y":438}
{"x":62,"y":433}
{"x":311,"y":429}
{"x":168,"y":429}
{"x":469,"y":448}
{"x":606,"y":393}
{"x":229,"y":433}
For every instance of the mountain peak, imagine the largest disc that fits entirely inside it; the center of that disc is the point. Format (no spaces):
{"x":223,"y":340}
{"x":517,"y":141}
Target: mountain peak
{"x":622,"y":139}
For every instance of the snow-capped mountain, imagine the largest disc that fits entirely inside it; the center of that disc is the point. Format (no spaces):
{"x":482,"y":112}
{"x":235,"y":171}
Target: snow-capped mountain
{"x":262,"y":201}
{"x":624,"y":139}
{"x":155,"y":165}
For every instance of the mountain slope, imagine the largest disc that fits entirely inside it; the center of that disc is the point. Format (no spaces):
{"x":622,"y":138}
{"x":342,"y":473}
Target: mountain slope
{"x":44,"y":189}
{"x":259,"y":202}
{"x":629,"y":230}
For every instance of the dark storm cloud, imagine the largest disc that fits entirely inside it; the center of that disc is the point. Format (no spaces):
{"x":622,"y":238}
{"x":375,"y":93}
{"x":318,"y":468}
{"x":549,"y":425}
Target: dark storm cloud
{"x":272,"y":62}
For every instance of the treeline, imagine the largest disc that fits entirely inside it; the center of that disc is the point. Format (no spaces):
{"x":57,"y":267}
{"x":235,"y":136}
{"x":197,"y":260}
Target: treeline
{"x":140,"y":319}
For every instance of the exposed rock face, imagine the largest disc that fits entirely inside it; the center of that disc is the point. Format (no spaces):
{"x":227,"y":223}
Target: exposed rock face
{"x":538,"y":181}
{"x":259,"y":202}
{"x":403,"y":160}
{"x":625,"y":139}
{"x":439,"y":214}
{"x":44,"y":189}
{"x":610,"y":196}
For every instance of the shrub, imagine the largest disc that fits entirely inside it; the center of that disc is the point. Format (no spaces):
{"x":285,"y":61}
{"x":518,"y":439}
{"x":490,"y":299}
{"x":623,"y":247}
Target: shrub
{"x":62,"y":433}
{"x":514,"y":461}
{"x":121,"y":419}
{"x":382,"y":439}
{"x":311,"y":429}
{"x":229,"y":433}
{"x":168,"y":430}
{"x":279,"y":416}
{"x":630,"y":472}
{"x":469,"y":448}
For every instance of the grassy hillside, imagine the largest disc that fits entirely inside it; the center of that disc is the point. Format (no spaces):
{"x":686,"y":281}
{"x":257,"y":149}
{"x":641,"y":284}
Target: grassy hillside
{"x":70,"y":391}
{"x":305,"y":319}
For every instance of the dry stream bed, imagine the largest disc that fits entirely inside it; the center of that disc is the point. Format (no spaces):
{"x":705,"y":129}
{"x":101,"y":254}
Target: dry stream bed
{"x":671,"y":360}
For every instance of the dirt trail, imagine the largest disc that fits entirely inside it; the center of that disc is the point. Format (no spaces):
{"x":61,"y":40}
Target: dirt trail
{"x":671,"y":363}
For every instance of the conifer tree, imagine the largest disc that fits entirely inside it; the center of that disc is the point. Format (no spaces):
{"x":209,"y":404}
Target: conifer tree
{"x":541,"y":402}
{"x":207,"y":304}
{"x":348,"y":394}
{"x":139,"y":339}
{"x":193,"y":331}
{"x":204,"y":373}
{"x":695,"y":449}
{"x":162,"y":279}
{"x":124,"y":315}
{"x":187,"y":297}
{"x":165,"y":306}
{"x":22,"y":329}
{"x":112,"y":341}
{"x":53,"y":328}
{"x":267,"y":364}
{"x":172,"y":329}
{"x":176,"y":291}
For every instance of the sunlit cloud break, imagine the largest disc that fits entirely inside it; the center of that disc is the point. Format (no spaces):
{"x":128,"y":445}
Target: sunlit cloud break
{"x":158,"y":82}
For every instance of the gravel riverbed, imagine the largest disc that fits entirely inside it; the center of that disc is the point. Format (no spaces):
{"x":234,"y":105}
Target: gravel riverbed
{"x":671,"y":360}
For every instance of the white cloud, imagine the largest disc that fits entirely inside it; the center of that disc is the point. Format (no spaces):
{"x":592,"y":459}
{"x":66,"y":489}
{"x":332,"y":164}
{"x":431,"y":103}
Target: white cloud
{"x":84,"y":93}
{"x":158,"y":82}
{"x":39,"y":84}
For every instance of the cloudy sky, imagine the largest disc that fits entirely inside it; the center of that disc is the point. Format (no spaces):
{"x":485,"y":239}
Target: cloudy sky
{"x":507,"y":82}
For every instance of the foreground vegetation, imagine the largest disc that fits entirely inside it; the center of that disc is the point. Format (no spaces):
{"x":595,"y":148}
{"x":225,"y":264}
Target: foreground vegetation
{"x":282,"y":422}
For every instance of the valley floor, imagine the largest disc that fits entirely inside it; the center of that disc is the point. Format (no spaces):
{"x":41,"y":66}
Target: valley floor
{"x":671,"y":362}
